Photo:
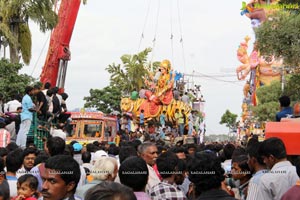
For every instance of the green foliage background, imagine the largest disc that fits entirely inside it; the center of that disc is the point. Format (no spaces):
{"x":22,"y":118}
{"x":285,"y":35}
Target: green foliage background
{"x":280,"y":36}
{"x":10,"y":81}
{"x":106,"y":100}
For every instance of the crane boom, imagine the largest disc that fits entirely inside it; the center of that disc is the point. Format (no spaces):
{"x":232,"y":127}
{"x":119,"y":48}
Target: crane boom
{"x":55,"y":68}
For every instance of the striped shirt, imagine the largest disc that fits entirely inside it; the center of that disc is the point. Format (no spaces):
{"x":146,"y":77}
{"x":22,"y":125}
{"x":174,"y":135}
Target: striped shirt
{"x":253,"y":185}
{"x":4,"y":137}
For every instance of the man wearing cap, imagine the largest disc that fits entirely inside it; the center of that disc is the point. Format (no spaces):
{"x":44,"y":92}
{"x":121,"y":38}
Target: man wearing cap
{"x":77,"y":152}
{"x":98,"y":154}
{"x":77,"y":147}
{"x":59,"y":131}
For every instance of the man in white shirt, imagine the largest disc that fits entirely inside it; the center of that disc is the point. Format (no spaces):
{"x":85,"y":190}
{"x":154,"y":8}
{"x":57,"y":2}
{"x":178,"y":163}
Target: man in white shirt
{"x":59,"y":131}
{"x":13,"y":105}
{"x":185,"y":98}
{"x":282,"y":175}
{"x":148,"y":151}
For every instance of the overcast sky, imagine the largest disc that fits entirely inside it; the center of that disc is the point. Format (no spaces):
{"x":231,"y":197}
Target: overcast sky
{"x":105,"y":30}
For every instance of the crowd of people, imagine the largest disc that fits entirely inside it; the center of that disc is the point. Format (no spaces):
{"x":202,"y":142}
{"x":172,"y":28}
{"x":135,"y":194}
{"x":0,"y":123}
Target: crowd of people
{"x":161,"y":132}
{"x":148,"y":170}
{"x":150,"y":163}
{"x":16,"y":113}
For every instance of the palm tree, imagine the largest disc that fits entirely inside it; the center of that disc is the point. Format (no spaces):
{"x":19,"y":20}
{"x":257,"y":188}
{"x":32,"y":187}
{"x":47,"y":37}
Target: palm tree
{"x":131,"y":76}
{"x":14,"y":16}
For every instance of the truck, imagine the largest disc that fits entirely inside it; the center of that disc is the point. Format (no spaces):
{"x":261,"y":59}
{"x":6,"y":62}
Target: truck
{"x":86,"y":127}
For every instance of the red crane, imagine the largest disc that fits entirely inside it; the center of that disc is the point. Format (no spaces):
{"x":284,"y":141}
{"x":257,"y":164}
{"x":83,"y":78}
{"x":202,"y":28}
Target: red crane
{"x":55,"y":68}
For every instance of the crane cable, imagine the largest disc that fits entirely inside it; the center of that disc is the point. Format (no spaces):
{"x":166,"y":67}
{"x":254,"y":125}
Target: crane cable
{"x":145,"y":22}
{"x":181,"y":37}
{"x":171,"y":37}
{"x":154,"y":39}
{"x":55,"y":10}
{"x":40,"y":54}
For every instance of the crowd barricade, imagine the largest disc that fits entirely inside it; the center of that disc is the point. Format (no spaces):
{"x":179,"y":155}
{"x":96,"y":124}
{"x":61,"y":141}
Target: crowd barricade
{"x":39,"y":132}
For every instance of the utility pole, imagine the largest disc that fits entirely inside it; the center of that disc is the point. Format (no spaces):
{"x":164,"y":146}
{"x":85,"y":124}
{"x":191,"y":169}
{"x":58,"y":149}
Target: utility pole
{"x":282,"y":79}
{"x":282,"y":72}
{"x":193,"y":80}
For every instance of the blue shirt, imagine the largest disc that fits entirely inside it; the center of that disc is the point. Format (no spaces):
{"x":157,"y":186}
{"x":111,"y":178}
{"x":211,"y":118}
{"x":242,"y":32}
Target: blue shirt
{"x":142,"y":118}
{"x":129,"y":124}
{"x":26,"y":105}
{"x":162,"y":135}
{"x":284,"y":113}
{"x":162,"y":119}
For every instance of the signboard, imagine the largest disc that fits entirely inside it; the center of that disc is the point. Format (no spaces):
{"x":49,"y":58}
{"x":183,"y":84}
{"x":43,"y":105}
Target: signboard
{"x":87,"y":115}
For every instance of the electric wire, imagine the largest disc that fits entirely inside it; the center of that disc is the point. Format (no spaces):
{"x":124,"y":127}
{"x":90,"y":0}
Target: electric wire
{"x":144,"y":26}
{"x":171,"y":37}
{"x":181,"y":37}
{"x":213,"y":78}
{"x":155,"y":33}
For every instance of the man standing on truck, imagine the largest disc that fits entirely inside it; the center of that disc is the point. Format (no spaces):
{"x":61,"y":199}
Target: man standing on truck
{"x":26,"y":117}
{"x":285,"y":110}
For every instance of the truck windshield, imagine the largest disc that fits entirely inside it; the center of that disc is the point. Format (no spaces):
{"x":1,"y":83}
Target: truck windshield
{"x":92,"y":129}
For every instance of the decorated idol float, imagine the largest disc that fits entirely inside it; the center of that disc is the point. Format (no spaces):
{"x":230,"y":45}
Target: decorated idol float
{"x":158,"y":97}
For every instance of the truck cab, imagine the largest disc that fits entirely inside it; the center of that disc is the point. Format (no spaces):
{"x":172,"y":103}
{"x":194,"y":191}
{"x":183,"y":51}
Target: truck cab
{"x":91,"y":126}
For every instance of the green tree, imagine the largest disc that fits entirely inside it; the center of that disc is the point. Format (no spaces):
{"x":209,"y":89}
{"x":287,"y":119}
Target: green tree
{"x":229,"y":119}
{"x":280,"y":36}
{"x":268,"y":104}
{"x":292,"y":87}
{"x":106,"y":100}
{"x":14,"y":26}
{"x":10,"y":81}
{"x":269,"y":93}
{"x":131,"y":74}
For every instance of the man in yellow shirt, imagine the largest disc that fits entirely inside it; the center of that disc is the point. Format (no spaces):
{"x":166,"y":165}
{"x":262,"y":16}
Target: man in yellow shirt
{"x":117,"y":139}
{"x":179,"y":121}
